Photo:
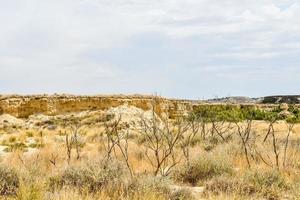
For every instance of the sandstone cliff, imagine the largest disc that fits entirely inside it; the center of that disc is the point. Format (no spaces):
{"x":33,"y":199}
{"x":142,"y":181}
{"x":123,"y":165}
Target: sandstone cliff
{"x":24,"y":106}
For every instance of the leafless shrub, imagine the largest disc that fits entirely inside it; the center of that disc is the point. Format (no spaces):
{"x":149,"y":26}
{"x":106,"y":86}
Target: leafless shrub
{"x":188,"y":137}
{"x":290,"y":123}
{"x":244,"y":130}
{"x":161,"y":139}
{"x":117,"y":140}
{"x":222,"y":128}
{"x":72,"y":138}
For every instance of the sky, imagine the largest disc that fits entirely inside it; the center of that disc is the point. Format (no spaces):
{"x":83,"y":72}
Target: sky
{"x":191,"y":49}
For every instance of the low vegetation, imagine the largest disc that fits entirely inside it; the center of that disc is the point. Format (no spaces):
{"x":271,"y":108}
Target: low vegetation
{"x":9,"y":181}
{"x":217,"y":152}
{"x":202,"y":169}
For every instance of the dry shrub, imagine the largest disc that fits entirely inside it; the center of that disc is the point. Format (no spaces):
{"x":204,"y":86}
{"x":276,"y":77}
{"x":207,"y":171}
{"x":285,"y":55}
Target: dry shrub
{"x":148,"y":183}
{"x":271,"y":178}
{"x":67,"y":195}
{"x":32,"y":191}
{"x":232,"y":185}
{"x":9,"y":181}
{"x":91,"y":176}
{"x":269,"y":184}
{"x":106,"y":183}
{"x":142,"y":187}
{"x":202,"y":169}
{"x":182,"y":194}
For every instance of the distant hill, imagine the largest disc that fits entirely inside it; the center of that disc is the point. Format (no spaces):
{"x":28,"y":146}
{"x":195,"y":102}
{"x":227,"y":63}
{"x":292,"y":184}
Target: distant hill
{"x":289,"y":99}
{"x":235,"y":100}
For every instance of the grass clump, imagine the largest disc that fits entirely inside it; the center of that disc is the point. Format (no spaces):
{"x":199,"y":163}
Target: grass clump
{"x":29,"y":134}
{"x":272,"y":178}
{"x":91,"y":176}
{"x":110,"y":180}
{"x":158,"y":186}
{"x":32,"y":191}
{"x":147,"y":183}
{"x":9,"y":181}
{"x":18,"y":146}
{"x":202,"y":169}
{"x":12,"y":139}
{"x":231,"y":185}
{"x":269,"y":184}
{"x":36,"y":145}
{"x":182,"y":194}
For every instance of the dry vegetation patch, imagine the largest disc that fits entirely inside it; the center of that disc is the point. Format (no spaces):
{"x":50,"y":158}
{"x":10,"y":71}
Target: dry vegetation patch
{"x":128,"y":153}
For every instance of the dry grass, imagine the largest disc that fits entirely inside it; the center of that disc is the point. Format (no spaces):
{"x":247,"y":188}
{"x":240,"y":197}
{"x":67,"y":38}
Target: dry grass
{"x":219,"y":166}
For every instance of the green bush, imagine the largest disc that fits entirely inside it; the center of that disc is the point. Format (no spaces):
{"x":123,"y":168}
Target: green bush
{"x":202,"y":169}
{"x":9,"y":181}
{"x":209,"y":113}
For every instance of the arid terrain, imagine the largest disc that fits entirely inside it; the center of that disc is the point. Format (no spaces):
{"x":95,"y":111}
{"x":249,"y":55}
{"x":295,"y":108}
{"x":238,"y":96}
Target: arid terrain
{"x":148,"y":147}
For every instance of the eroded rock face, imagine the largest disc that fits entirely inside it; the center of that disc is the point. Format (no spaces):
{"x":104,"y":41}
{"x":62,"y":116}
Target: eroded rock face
{"x":52,"y":105}
{"x":24,"y":106}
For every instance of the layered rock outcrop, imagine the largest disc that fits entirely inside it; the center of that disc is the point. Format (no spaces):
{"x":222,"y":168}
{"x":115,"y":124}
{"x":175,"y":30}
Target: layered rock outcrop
{"x":24,"y":106}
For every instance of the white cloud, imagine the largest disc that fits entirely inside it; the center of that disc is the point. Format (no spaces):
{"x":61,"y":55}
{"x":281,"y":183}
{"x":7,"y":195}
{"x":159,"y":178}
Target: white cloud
{"x":53,"y":36}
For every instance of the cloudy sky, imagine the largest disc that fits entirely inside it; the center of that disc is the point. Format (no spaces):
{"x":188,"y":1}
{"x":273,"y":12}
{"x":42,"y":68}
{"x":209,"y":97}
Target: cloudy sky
{"x":175,"y":48}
